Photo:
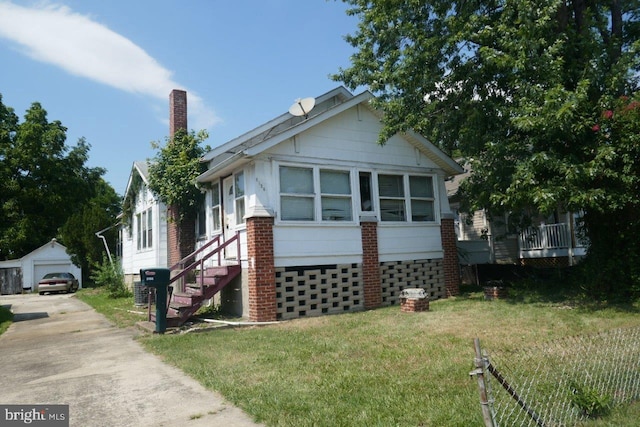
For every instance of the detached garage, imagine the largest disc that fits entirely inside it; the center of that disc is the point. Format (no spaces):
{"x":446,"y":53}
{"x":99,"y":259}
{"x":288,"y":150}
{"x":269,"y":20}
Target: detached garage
{"x":24,"y":273}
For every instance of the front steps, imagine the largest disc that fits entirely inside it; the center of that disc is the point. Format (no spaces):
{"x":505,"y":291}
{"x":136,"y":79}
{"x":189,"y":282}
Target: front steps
{"x":207,"y":283}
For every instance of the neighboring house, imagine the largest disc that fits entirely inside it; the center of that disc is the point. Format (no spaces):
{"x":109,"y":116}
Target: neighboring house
{"x":485,"y":238}
{"x":143,"y":234}
{"x":26,"y":272}
{"x":328,"y":220}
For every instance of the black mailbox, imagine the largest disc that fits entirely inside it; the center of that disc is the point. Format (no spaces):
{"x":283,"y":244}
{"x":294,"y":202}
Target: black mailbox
{"x":158,"y":278}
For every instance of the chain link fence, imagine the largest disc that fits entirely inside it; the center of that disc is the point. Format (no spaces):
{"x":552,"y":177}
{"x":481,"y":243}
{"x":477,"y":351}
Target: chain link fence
{"x":559,"y":383}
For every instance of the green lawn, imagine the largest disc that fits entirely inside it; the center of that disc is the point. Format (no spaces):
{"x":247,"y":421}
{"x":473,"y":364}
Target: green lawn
{"x":6,"y":317}
{"x":379,"y":367}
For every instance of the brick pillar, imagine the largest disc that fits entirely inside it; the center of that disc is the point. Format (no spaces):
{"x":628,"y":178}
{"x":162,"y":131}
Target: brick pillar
{"x":262,"y":274}
{"x":371,"y":264}
{"x":451,"y":263}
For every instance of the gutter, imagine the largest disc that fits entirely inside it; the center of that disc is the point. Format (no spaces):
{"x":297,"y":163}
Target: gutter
{"x":203,"y":178}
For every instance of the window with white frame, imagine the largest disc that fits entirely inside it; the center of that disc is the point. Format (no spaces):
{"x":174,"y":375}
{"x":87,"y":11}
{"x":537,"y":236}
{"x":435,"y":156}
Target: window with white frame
{"x":422,"y":200}
{"x":335,"y":195}
{"x":239,"y":197}
{"x":398,"y":204}
{"x":144,"y":229}
{"x":392,"y":198}
{"x":297,"y":197}
{"x":215,"y":210}
{"x":299,"y":200}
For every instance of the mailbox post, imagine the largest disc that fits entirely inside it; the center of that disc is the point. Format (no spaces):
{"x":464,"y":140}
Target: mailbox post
{"x":158,"y":278}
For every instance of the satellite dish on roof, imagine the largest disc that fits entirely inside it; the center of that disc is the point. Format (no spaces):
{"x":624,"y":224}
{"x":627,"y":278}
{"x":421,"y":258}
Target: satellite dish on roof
{"x":302,"y":107}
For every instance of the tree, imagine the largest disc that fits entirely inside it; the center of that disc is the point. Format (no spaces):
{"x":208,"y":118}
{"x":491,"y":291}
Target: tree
{"x":97,"y":213}
{"x":517,"y":87}
{"x":173,"y":171}
{"x":172,"y":177}
{"x":45,"y":184}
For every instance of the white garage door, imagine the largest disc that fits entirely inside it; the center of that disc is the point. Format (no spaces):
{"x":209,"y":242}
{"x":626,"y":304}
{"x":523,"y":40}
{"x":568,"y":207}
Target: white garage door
{"x":40,"y":269}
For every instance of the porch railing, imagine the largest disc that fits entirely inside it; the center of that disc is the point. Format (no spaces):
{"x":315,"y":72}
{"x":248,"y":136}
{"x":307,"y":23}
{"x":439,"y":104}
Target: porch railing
{"x":199,"y":256}
{"x":551,"y":236}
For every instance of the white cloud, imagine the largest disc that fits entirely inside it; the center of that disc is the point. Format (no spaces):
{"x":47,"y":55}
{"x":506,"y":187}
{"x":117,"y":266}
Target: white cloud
{"x":56,"y":35}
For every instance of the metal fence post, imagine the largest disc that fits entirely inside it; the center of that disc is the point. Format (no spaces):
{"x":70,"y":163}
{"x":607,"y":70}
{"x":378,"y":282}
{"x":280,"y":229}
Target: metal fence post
{"x":482,"y":386}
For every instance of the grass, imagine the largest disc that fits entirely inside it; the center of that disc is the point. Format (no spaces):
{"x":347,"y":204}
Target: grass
{"x":6,"y":318}
{"x":121,"y":311}
{"x":381,"y":367}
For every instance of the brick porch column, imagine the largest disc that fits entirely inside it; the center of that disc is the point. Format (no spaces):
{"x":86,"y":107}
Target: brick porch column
{"x":451,"y":264}
{"x":370,"y":264}
{"x":262,"y":275}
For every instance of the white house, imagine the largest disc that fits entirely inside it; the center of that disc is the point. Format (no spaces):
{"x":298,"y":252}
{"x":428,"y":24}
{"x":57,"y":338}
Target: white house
{"x":328,"y":220}
{"x":483,"y":238}
{"x":51,"y":257}
{"x":143,"y":233}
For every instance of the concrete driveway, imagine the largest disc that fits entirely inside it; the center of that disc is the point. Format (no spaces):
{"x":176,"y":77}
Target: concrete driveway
{"x":60,"y":351}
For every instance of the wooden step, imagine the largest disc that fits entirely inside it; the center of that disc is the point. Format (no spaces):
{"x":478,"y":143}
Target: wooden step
{"x":180,"y":305}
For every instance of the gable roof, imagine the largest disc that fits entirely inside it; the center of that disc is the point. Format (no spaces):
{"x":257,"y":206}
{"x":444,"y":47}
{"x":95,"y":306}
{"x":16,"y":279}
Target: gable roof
{"x":142,"y":169}
{"x":239,"y":150}
{"x":51,"y":244}
{"x":453,"y":184}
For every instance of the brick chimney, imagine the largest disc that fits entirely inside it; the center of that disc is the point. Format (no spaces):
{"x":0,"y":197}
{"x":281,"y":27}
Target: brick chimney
{"x":181,"y":238}
{"x":177,"y":111}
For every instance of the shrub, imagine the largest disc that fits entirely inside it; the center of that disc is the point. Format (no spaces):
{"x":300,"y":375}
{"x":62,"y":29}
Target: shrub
{"x":590,"y":401}
{"x":111,"y":276}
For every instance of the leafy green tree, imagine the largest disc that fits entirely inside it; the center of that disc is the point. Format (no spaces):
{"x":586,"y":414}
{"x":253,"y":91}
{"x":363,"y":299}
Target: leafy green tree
{"x":518,"y":87}
{"x":44,"y":184}
{"x":98,"y":213}
{"x":172,"y":177}
{"x":173,"y":172}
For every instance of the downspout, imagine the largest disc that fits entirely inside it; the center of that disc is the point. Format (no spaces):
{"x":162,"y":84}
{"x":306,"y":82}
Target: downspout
{"x":104,"y":240}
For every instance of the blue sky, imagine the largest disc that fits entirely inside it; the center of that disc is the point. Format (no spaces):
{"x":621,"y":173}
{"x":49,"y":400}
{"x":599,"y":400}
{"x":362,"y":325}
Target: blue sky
{"x":105,"y":68}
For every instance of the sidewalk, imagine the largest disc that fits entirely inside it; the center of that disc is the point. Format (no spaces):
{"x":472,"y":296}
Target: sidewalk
{"x":60,"y":351}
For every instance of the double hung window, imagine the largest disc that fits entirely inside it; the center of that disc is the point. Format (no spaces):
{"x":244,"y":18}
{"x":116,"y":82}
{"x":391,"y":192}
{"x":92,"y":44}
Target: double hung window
{"x":406,"y":196}
{"x":215,"y":209}
{"x":300,"y":199}
{"x":144,"y":227}
{"x":239,"y":197}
